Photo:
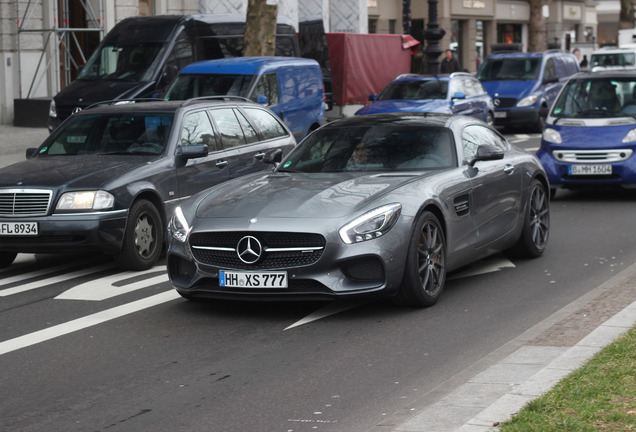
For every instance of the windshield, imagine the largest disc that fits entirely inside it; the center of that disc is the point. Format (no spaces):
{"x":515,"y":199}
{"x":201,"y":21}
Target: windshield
{"x":128,"y":63}
{"x":188,"y":86}
{"x":377,"y":147}
{"x":597,"y":97}
{"x":510,"y":69}
{"x":430,"y":89}
{"x":139,"y":134}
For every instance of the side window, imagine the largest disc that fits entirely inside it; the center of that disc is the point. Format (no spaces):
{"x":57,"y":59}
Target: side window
{"x":251,"y":136}
{"x":475,"y":136}
{"x":182,"y":55}
{"x":268,"y":124}
{"x":229,"y":127}
{"x":455,"y":86}
{"x":549,"y":72}
{"x":288,"y":87}
{"x":197,"y":129}
{"x":268,"y":86}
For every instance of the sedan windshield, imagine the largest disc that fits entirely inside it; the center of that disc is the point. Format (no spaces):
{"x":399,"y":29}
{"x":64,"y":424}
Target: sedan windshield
{"x":597,"y":98}
{"x":430,"y":89}
{"x":138,"y":134}
{"x":128,"y":63}
{"x":510,"y":69}
{"x":189,"y":86}
{"x":381,"y":147}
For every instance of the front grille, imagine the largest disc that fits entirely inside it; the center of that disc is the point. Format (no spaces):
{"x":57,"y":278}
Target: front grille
{"x":592,"y":156}
{"x":505,"y":102}
{"x":24,"y":202}
{"x":280,"y":249}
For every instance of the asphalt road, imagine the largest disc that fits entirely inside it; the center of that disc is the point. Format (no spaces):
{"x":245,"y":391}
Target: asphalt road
{"x":84,"y":347}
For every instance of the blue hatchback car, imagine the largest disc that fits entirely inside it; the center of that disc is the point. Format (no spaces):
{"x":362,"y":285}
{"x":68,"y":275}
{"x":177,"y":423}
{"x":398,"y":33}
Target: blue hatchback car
{"x":457,"y":93}
{"x":590,"y":134}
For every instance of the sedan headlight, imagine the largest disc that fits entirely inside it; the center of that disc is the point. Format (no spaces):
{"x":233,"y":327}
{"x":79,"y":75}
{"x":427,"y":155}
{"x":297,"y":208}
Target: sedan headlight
{"x":86,"y":200}
{"x":371,"y":225}
{"x":552,"y":135}
{"x":630,"y":137}
{"x":178,"y":226}
{"x":527,"y":101}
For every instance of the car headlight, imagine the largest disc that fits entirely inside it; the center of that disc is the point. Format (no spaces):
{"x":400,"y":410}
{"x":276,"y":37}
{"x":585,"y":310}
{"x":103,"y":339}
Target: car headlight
{"x":630,"y":137}
{"x":552,"y":135}
{"x":527,"y":101}
{"x":52,"y":109}
{"x":370,"y":225}
{"x":86,"y":200}
{"x":178,"y":226}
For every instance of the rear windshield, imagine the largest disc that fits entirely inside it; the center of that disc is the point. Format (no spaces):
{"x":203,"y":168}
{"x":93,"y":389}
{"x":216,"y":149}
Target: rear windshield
{"x":510,"y":69}
{"x":188,"y":86}
{"x":432,"y":89}
{"x":597,"y":98}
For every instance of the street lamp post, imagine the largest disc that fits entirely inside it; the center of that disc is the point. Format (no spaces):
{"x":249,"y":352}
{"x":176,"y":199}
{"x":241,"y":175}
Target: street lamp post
{"x":433,"y":34}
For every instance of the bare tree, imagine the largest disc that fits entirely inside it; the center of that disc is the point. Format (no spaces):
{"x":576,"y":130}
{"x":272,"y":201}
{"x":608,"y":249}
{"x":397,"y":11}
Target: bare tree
{"x":537,"y":30}
{"x":626,"y":16}
{"x":260,"y":28}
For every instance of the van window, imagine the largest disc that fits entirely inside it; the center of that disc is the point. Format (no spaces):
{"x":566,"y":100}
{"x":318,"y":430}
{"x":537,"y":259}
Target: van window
{"x":129,"y":63}
{"x":181,"y":56}
{"x":510,"y":69}
{"x":267,"y":85}
{"x":269,"y":125}
{"x":187,"y":86}
{"x":549,"y":73}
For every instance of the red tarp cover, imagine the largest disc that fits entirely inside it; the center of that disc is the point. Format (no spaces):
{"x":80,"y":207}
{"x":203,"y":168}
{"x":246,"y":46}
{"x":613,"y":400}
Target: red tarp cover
{"x":363,"y":64}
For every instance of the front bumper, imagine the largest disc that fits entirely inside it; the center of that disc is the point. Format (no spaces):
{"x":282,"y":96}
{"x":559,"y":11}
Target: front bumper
{"x":516,"y":116}
{"x":103,"y":231}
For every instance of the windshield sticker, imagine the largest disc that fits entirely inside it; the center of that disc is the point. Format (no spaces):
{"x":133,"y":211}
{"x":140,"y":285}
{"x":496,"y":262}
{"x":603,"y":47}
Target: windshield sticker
{"x":288,"y":163}
{"x":43,"y":150}
{"x":557,"y":110}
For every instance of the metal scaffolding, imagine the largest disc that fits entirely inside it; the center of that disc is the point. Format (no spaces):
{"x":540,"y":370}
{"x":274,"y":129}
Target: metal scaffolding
{"x":64,"y":37}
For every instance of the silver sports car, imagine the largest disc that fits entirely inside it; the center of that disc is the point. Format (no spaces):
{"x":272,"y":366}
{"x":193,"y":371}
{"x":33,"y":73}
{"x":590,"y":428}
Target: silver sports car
{"x":383,"y":204}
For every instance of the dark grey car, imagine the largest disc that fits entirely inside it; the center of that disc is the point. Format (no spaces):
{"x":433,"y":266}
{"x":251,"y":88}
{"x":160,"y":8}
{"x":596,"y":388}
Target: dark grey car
{"x":109,"y":176}
{"x":382,"y":204}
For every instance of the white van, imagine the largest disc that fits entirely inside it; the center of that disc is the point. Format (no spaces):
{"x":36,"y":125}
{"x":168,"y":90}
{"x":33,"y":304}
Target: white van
{"x":613,"y":59}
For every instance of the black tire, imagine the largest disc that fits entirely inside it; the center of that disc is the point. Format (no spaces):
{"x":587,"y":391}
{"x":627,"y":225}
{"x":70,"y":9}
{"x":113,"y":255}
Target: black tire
{"x":425,"y":268}
{"x":543,"y":115}
{"x":7,"y":258}
{"x":143,"y":239}
{"x":536,"y":225}
{"x":553,"y":192}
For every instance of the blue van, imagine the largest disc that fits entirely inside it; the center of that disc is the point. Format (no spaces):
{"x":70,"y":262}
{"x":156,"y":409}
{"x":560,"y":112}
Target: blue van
{"x":523,"y":86}
{"x":291,"y":87}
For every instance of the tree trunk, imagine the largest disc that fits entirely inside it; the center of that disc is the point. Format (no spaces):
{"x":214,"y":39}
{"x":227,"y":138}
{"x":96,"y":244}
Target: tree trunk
{"x":626,"y":16}
{"x":537,"y":40}
{"x":260,"y":28}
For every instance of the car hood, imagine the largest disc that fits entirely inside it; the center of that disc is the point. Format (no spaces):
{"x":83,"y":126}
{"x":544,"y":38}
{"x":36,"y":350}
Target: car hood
{"x":605,"y":137}
{"x":509,"y":89}
{"x":86,"y":171}
{"x":81,"y":93}
{"x":298,"y":195}
{"x":413,"y":105}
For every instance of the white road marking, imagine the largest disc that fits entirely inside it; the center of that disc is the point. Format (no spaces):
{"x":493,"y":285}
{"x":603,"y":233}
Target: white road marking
{"x":53,"y":279}
{"x":29,"y":275}
{"x":104,"y":288}
{"x":85,"y":322}
{"x":326,"y":311}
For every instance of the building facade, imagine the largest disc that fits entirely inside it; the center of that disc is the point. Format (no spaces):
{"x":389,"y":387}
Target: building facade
{"x":42,"y":44}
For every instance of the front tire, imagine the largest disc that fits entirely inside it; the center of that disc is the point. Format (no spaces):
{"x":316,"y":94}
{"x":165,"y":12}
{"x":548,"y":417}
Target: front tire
{"x":536,"y":226}
{"x":425,"y":269}
{"x":143,"y":239}
{"x":7,"y":258}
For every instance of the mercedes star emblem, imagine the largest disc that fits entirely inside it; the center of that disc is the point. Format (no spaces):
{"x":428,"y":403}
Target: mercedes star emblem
{"x":249,"y":249}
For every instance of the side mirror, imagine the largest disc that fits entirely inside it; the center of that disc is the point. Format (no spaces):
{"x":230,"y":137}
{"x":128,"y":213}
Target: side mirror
{"x":273,"y":157}
{"x":193,"y":151}
{"x":31,"y":152}
{"x":373,"y":97}
{"x":487,"y":153}
{"x":459,"y":95}
{"x":261,"y":99}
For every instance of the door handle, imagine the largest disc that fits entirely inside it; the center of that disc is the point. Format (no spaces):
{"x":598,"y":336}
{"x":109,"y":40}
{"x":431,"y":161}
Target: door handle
{"x":259,"y":155}
{"x":221,"y":163}
{"x":509,"y":169}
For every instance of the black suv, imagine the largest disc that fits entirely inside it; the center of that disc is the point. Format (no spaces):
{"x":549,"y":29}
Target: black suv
{"x":110,"y":176}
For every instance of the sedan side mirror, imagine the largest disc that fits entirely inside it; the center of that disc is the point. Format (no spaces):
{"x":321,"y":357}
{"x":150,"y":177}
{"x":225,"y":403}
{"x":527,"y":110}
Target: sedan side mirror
{"x":459,"y":95}
{"x":31,"y":152}
{"x":373,"y":97}
{"x":273,"y":157}
{"x":193,"y":151}
{"x":487,"y":153}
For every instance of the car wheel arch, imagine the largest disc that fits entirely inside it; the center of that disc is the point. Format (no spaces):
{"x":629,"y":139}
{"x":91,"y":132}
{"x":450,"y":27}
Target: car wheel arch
{"x":437,"y":211}
{"x":153,"y":197}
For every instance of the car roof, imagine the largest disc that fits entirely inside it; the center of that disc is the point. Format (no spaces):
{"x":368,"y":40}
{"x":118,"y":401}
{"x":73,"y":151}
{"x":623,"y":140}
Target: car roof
{"x":517,"y":54}
{"x":164,"y":106}
{"x":609,"y":73}
{"x":242,"y":65}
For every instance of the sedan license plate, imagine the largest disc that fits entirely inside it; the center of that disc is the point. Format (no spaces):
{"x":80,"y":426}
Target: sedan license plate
{"x":603,"y":169}
{"x":18,"y":228}
{"x":233,"y":279}
{"x":501,"y":114}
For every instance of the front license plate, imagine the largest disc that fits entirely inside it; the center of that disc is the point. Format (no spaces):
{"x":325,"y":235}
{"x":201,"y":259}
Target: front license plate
{"x":501,"y":114}
{"x":233,"y":279}
{"x":18,"y":228}
{"x":604,"y":169}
